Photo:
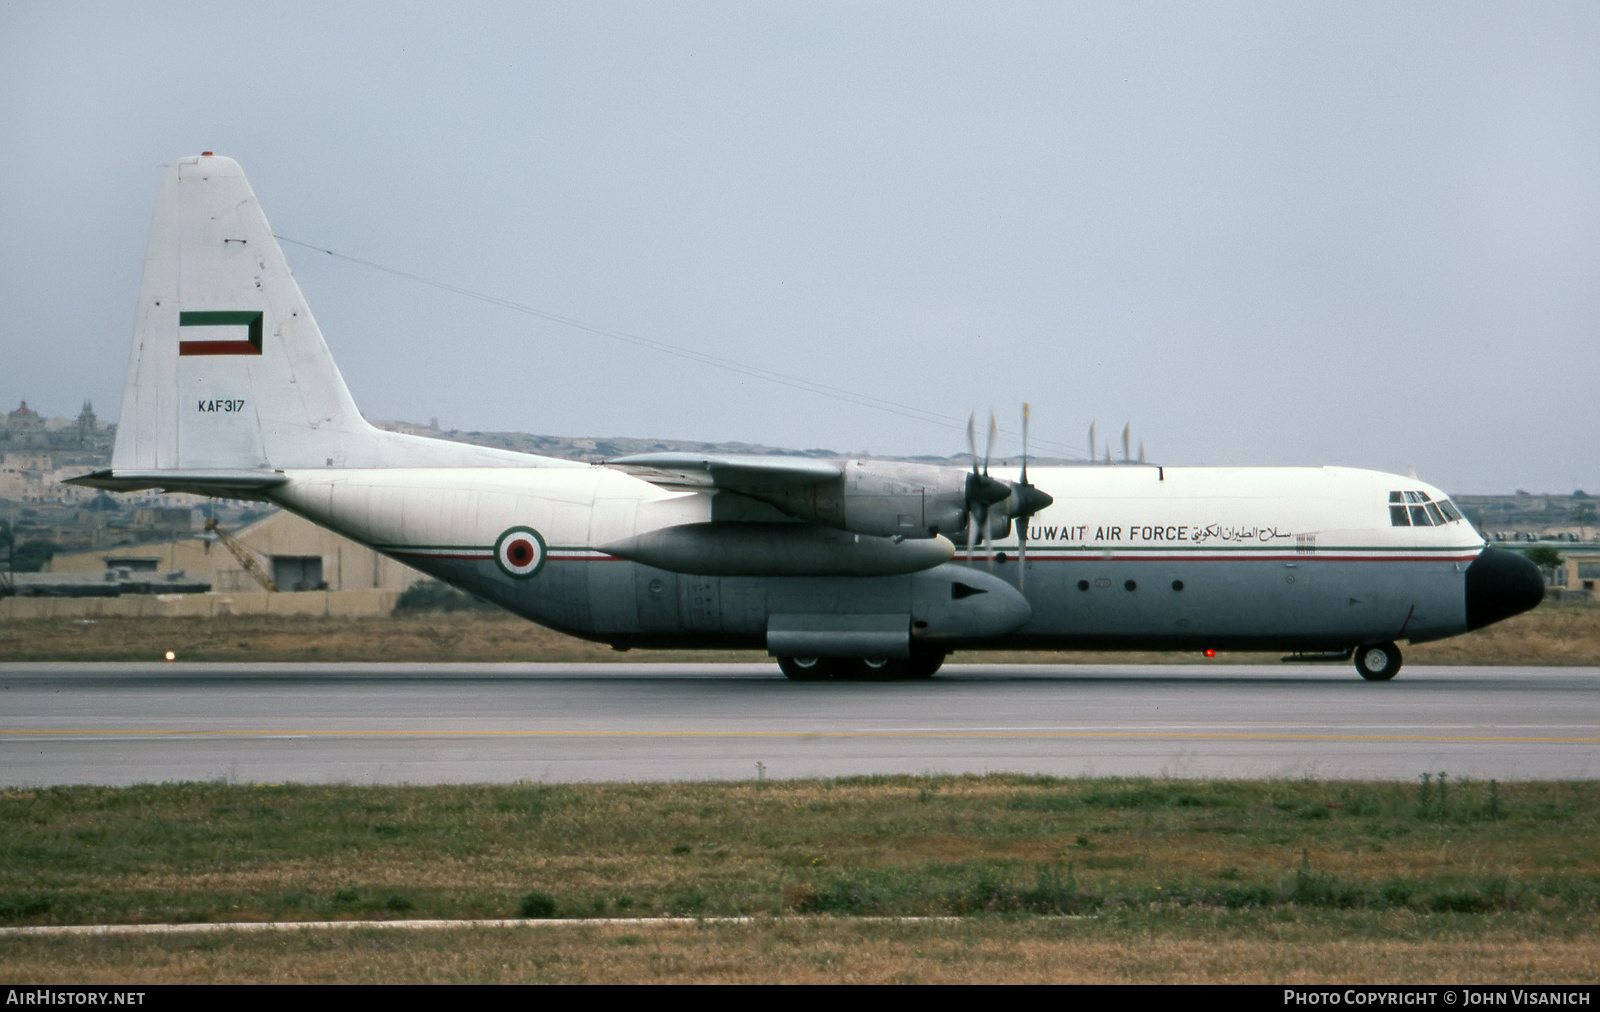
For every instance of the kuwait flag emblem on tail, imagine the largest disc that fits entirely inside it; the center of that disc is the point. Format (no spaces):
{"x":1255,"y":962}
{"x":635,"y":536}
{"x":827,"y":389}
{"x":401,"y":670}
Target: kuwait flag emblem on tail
{"x":224,"y":333}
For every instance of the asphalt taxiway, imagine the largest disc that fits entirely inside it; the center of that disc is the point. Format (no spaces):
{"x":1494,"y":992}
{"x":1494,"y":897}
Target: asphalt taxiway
{"x":446,"y":723}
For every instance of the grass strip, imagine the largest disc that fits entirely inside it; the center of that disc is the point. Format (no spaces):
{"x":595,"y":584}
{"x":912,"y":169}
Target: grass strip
{"x":1188,"y":880}
{"x":880,"y":846}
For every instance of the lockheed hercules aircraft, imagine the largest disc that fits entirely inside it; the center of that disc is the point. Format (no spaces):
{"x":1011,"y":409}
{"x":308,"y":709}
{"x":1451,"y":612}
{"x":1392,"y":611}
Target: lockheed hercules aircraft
{"x":838,"y":568}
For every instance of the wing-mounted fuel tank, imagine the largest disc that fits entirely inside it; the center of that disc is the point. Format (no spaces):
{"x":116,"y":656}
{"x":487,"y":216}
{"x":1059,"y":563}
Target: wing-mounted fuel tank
{"x":778,"y":549}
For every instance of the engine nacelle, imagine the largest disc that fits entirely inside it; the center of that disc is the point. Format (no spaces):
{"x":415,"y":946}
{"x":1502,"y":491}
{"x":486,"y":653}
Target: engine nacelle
{"x":884,"y":498}
{"x":881,"y":498}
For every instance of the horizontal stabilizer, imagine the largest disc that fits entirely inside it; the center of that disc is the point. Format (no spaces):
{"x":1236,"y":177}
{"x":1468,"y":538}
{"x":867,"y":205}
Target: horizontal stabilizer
{"x":225,"y":484}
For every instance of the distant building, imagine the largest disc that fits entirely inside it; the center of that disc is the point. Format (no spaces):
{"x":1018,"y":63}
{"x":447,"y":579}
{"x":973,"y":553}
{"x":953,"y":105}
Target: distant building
{"x":34,"y":476}
{"x":1579,"y":572}
{"x":22,"y":475}
{"x":1529,"y":517}
{"x":88,"y":425}
{"x":24,"y":419}
{"x":317,"y":573}
{"x":297,"y":554}
{"x":164,"y":521}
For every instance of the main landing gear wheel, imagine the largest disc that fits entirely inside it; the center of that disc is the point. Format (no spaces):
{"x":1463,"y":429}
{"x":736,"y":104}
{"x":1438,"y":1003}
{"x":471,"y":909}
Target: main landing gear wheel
{"x":871,"y":669}
{"x":921,"y":664}
{"x":924,"y":663}
{"x":807,"y":669}
{"x":1378,"y":662}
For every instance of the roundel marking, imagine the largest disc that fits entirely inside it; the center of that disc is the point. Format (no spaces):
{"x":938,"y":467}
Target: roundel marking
{"x":520,"y":552}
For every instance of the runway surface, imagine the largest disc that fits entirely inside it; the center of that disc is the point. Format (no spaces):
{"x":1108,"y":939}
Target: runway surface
{"x":444,"y":723}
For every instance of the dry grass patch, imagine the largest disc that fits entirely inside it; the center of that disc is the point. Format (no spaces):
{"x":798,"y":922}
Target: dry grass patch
{"x":1166,"y":946}
{"x":1553,"y":634}
{"x":454,"y":636}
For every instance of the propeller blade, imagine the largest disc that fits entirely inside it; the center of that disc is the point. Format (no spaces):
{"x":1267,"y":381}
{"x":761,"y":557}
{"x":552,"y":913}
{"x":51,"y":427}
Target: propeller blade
{"x":988,"y":545}
{"x":1091,"y":442}
{"x":1024,"y":442}
{"x":1125,"y":429}
{"x":988,"y":448}
{"x":1141,"y":451}
{"x":1022,"y":518}
{"x":972,"y":440}
{"x":1022,"y":553}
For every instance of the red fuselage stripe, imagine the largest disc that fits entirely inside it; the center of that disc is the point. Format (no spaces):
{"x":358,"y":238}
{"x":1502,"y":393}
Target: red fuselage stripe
{"x":1130,"y":557}
{"x":555,"y":556}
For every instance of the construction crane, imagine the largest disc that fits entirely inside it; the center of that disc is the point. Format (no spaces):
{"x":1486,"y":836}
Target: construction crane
{"x":246,"y":557}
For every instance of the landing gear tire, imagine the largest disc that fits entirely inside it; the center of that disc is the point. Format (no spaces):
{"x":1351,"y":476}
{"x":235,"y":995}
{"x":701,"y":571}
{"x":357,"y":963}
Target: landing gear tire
{"x":924,"y":663}
{"x":921,"y":664}
{"x":872,"y":669}
{"x":1378,"y":662}
{"x":808,"y":669}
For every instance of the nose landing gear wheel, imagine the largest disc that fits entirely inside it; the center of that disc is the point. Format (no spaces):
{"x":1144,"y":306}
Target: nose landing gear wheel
{"x":808,"y":669}
{"x":1378,"y":662}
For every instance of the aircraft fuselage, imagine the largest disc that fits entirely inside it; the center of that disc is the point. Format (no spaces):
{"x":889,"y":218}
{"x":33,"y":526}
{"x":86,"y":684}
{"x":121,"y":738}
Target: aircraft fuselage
{"x":1302,"y":559}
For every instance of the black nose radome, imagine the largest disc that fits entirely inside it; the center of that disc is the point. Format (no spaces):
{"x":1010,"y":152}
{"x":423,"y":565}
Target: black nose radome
{"x":1501,"y":584}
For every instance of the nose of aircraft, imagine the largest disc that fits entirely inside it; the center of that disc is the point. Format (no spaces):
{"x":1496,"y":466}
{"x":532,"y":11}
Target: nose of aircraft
{"x":1501,"y":584}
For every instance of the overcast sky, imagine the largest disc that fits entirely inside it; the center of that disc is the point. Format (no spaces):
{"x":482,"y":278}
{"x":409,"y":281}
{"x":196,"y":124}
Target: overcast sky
{"x":1264,"y":233}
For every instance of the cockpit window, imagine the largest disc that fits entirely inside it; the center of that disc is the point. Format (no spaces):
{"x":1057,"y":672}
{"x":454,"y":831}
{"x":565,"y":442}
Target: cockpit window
{"x":1418,"y":509}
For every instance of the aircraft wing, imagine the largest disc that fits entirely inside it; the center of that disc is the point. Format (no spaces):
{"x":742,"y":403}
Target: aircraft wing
{"x":748,"y":474}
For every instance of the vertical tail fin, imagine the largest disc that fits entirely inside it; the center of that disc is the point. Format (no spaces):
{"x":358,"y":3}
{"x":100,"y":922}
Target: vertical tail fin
{"x":228,"y":367}
{"x":229,"y":370}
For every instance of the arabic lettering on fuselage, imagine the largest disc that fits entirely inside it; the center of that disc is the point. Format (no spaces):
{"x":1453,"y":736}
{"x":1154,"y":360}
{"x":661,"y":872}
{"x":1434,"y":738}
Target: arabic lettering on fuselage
{"x":1241,"y":533}
{"x":1156,"y":533}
